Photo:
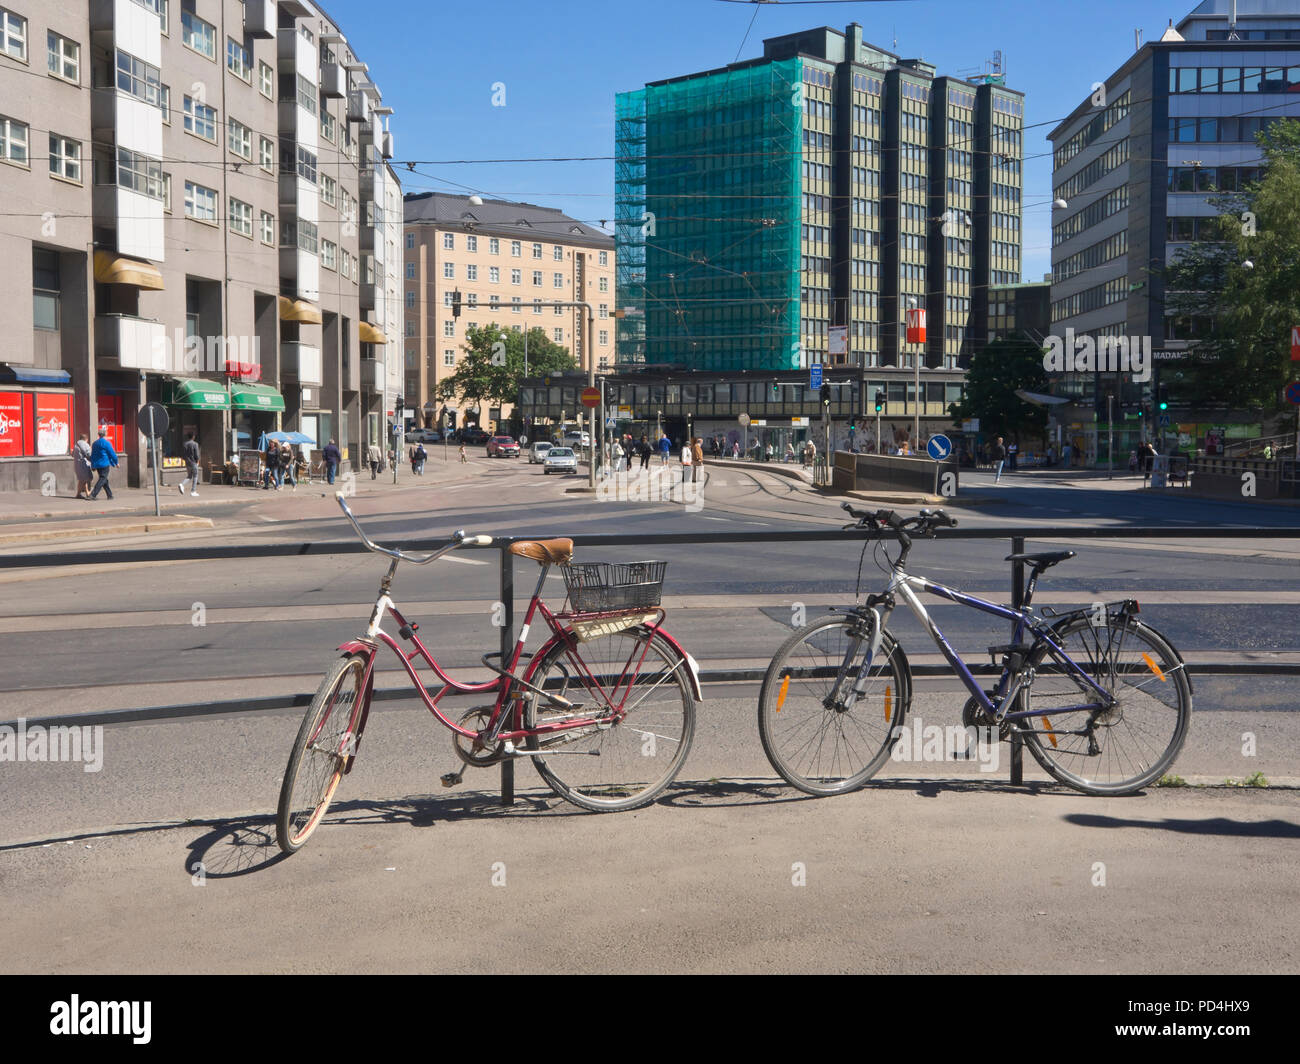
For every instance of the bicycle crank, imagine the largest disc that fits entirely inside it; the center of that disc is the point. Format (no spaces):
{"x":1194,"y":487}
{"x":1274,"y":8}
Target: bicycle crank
{"x":974,"y":715}
{"x":473,"y":752}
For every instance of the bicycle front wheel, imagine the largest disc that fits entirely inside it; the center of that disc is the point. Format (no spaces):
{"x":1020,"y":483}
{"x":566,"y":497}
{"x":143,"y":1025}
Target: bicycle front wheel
{"x":635,"y":684}
{"x":325,"y":742}
{"x":1122,"y":749}
{"x":826,"y":726}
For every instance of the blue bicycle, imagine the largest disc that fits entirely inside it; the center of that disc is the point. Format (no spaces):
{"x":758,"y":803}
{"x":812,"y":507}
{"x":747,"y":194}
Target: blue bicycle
{"x":1102,"y":700}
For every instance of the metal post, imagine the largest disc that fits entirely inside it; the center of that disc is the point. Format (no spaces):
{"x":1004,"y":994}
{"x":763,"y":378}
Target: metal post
{"x":1017,"y":602}
{"x":1110,"y":435}
{"x":916,"y":398}
{"x":879,"y":446}
{"x":507,"y":648}
{"x":153,"y":446}
{"x":591,"y":383}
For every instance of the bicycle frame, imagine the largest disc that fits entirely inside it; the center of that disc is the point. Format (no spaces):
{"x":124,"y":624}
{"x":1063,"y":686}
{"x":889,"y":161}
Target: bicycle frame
{"x":906,"y":586}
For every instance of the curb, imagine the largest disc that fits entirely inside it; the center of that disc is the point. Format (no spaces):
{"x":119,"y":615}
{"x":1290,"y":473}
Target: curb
{"x":135,"y":528}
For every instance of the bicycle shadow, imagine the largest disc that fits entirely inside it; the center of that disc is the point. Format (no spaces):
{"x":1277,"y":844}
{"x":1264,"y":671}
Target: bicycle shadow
{"x":1219,"y":825}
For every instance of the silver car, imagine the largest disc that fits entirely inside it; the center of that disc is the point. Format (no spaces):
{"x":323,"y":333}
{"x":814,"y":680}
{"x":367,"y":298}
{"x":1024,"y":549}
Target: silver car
{"x":560,"y":460}
{"x":538,"y":451}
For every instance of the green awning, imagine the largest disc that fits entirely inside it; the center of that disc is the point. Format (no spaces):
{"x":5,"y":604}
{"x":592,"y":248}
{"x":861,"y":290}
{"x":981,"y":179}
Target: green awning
{"x":256,"y":397}
{"x":196,"y":395}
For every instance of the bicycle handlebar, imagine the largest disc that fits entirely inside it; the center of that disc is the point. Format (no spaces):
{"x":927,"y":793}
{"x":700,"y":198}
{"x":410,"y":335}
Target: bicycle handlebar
{"x":925,"y":522}
{"x":459,"y":539}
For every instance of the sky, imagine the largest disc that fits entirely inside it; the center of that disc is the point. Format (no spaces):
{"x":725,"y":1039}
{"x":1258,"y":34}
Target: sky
{"x":557,"y":64}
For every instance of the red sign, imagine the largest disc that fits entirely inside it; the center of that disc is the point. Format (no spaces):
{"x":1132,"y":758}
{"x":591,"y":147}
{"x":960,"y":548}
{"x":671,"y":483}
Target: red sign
{"x":590,"y":398}
{"x":1295,"y":344}
{"x":244,"y":371}
{"x":53,"y":424}
{"x":11,"y":424}
{"x":110,"y":418}
{"x":916,"y":326}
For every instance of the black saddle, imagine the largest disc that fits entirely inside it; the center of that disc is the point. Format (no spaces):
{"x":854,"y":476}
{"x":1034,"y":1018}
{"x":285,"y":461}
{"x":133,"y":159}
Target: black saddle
{"x":1042,"y":561}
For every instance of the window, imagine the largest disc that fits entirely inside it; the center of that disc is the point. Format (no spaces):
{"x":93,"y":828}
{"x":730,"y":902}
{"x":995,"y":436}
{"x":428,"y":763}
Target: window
{"x":266,"y":79}
{"x":604,"y":337}
{"x":449,"y":327}
{"x":200,"y":202}
{"x":266,"y":154}
{"x":345,"y":263}
{"x":268,"y":228}
{"x":307,"y":165}
{"x":328,"y":189}
{"x":516,"y":277}
{"x":604,"y":258}
{"x":559,"y":336}
{"x":494,"y":274}
{"x":64,"y":58}
{"x":13,"y":35}
{"x":449,"y":357}
{"x":559,"y":311}
{"x":537,"y":278}
{"x":471,"y":300}
{"x":328,"y":123}
{"x":45,"y":289}
{"x":139,"y":79}
{"x":447,"y":299}
{"x":328,"y":252}
{"x":410,"y":271}
{"x":471,"y":243}
{"x":200,"y":119}
{"x":410,"y":241}
{"x":558,"y":253}
{"x":516,"y":249}
{"x":604,"y":284}
{"x":410,"y":300}
{"x":306,"y":95}
{"x":165,"y":103}
{"x":65,"y":158}
{"x":13,"y":141}
{"x":604,"y":310}
{"x":449,"y":241}
{"x":537,"y":251}
{"x":449,"y":270}
{"x":537,"y":306}
{"x":239,"y":138}
{"x":558,"y":280}
{"x":239,"y":61}
{"x":494,"y":246}
{"x":515,"y":305}
{"x":241,"y":218}
{"x":167,"y":193}
{"x":199,"y":35}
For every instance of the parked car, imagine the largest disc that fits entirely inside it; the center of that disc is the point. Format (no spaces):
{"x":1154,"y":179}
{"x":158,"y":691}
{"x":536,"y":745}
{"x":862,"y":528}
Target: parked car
{"x":560,"y":460}
{"x":538,"y":451}
{"x":474,"y":435}
{"x":575,"y":438}
{"x":423,"y":436}
{"x":502,"y":447}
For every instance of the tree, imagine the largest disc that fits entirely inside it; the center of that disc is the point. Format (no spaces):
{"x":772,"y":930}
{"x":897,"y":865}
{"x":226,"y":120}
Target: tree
{"x":995,"y":374}
{"x":493,"y":365}
{"x":1240,"y":316}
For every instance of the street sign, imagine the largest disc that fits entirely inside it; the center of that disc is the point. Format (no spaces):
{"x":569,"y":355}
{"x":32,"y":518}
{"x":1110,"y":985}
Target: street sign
{"x":815,"y":376}
{"x":1293,"y":393}
{"x":523,"y":441}
{"x":940,"y":447}
{"x":152,"y":420}
{"x":590,"y":398}
{"x":625,"y":413}
{"x":839,"y":341}
{"x":1295,"y":344}
{"x":916,"y":326}
{"x":743,"y":419}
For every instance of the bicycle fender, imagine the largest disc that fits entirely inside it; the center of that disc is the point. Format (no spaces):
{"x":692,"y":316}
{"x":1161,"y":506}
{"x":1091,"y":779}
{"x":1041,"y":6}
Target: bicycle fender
{"x":691,"y":663}
{"x":360,"y":646}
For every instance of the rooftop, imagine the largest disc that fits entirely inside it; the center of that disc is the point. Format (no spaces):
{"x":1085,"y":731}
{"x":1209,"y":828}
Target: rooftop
{"x":506,"y":216}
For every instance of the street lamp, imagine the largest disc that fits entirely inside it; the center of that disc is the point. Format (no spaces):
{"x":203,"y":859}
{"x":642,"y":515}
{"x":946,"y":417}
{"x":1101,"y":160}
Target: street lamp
{"x":916,"y":396}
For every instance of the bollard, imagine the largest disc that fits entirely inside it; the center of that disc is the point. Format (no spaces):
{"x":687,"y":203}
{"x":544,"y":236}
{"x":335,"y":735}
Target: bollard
{"x":1017,"y":602}
{"x":507,"y":647}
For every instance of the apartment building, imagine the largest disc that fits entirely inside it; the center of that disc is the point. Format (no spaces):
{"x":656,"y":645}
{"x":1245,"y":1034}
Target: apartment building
{"x":195,"y":198}
{"x":792,"y":209}
{"x":1136,"y":165}
{"x":511,"y":263}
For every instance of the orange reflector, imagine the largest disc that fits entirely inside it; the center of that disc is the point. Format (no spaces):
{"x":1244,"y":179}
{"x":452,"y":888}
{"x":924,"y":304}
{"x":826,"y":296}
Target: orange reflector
{"x":1051,"y":735}
{"x":889,"y":703}
{"x":785,"y":690}
{"x":1151,"y":664}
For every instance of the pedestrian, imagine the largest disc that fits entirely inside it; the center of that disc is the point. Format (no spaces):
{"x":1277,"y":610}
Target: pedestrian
{"x":272,"y":465}
{"x":769,"y":451}
{"x":1132,"y":461}
{"x":789,"y":452}
{"x":81,"y":459}
{"x":102,"y":459}
{"x":1013,"y":449}
{"x":288,"y":465}
{"x":665,"y":448}
{"x":997,"y":457}
{"x":687,"y":460}
{"x":697,"y":458}
{"x":1051,"y":454}
{"x":421,"y":456}
{"x":645,"y":450}
{"x":1148,"y":453}
{"x":190,"y":452}
{"x":1066,"y":454}
{"x":332,"y":460}
{"x":463,"y":458}
{"x":617,"y":454}
{"x":375,"y":458}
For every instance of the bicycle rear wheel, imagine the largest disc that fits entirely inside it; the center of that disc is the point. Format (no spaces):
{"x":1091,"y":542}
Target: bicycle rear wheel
{"x":1122,"y":749}
{"x":325,"y":742}
{"x":816,"y":733}
{"x":635,"y":683}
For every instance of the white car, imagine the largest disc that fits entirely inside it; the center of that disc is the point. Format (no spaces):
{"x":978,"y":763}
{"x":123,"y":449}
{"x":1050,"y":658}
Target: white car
{"x":538,"y":451}
{"x":574,"y":438}
{"x":560,"y":460}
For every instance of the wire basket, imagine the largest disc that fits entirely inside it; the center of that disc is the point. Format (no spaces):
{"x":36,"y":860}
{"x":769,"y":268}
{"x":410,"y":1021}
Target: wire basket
{"x":596,"y":587}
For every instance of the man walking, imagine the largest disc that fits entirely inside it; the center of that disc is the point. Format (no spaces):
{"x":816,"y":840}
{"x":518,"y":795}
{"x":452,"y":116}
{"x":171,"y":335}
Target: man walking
{"x":102,"y":459}
{"x":645,"y":450}
{"x":997,"y":456}
{"x":190,"y":452}
{"x":697,"y":454}
{"x":374,"y":457}
{"x":332,"y":459}
{"x":665,"y":446}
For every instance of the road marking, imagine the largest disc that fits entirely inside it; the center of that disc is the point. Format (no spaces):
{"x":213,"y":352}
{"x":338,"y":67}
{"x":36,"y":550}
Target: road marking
{"x":263,"y":517}
{"x":728,"y":520}
{"x":462,"y":561}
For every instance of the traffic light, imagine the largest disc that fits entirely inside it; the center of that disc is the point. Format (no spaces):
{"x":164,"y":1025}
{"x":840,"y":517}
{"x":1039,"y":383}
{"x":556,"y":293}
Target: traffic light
{"x":1162,"y":397}
{"x":880,"y":402}
{"x":853,"y":424}
{"x":776,"y":390}
{"x":455,"y":303}
{"x":826,"y":395}
{"x":398,"y":403}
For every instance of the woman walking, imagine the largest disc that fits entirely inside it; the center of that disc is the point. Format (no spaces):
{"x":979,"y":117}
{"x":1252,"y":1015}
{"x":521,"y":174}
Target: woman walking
{"x":81,"y":460}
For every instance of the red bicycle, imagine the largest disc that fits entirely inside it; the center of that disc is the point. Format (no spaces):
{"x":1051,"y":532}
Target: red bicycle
{"x":605,"y":708}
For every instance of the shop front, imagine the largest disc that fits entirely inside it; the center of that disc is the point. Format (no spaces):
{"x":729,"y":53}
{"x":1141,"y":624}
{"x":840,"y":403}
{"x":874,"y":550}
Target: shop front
{"x":254,"y":409}
{"x":36,"y":422}
{"x":198,"y":407}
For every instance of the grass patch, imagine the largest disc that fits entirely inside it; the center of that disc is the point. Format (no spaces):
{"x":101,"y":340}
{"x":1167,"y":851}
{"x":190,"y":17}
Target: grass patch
{"x":1169,"y":780}
{"x":1255,"y":779}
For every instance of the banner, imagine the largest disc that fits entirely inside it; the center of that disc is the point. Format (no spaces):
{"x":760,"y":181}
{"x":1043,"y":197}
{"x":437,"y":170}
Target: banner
{"x":53,"y":424}
{"x":11,"y":424}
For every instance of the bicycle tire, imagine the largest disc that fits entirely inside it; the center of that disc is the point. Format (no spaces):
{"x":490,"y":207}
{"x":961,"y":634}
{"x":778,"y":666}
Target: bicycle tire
{"x":1138,"y":740}
{"x":795,"y":724}
{"x":319,"y":769}
{"x":623,"y":751}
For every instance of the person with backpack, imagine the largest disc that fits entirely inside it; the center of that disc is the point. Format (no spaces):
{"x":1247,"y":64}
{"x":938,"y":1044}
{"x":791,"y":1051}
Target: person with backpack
{"x":190,"y":452}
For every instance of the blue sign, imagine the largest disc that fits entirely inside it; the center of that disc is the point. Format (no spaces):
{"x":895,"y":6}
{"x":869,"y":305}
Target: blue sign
{"x":1164,"y":420}
{"x":1293,"y":393}
{"x":815,"y":376}
{"x":940,"y":447}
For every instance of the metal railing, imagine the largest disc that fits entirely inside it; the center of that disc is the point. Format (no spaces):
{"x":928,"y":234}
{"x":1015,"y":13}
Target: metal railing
{"x":1017,"y":538}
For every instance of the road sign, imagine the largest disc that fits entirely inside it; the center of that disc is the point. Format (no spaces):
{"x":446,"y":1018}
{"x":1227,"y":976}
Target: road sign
{"x":152,"y":420}
{"x":916,"y":326}
{"x":625,"y":413}
{"x":1295,"y":344}
{"x":815,"y":376}
{"x":1293,"y":393}
{"x":743,"y":419}
{"x":940,"y":447}
{"x":1164,"y":420}
{"x":590,"y":398}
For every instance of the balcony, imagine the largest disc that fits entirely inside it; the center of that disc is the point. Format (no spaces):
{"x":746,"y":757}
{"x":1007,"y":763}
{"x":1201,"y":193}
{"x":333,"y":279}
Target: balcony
{"x":333,"y":81}
{"x":126,"y":342}
{"x":372,"y":375}
{"x":388,"y":145}
{"x":129,"y":25}
{"x":371,"y":295}
{"x":260,"y":19}
{"x":301,"y":361}
{"x":137,"y":218}
{"x":358,"y":106}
